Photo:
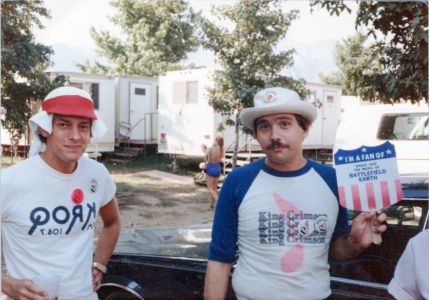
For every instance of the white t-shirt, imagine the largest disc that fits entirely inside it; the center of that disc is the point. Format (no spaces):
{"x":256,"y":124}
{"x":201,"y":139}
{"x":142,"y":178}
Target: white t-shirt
{"x":411,"y":279}
{"x":48,"y":221}
{"x":283,"y":223}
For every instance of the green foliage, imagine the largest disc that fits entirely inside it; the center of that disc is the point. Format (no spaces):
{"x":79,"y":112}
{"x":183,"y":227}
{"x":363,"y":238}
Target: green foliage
{"x":400,"y":49}
{"x":247,"y":52}
{"x":157,"y":35}
{"x":23,"y":63}
{"x":355,"y":63}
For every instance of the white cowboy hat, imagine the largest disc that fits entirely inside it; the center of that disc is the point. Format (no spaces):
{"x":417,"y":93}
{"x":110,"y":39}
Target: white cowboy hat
{"x":66,"y":101}
{"x":277,"y":100}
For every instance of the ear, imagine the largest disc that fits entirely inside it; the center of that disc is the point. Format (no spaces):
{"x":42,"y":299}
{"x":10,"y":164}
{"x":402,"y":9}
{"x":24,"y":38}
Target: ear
{"x":43,"y":133}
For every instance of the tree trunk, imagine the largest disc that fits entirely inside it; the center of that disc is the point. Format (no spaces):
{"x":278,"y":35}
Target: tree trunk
{"x":237,"y":135}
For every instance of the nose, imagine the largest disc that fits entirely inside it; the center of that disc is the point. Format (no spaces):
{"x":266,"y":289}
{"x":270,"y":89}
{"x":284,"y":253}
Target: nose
{"x":275,"y":133}
{"x":74,"y":133}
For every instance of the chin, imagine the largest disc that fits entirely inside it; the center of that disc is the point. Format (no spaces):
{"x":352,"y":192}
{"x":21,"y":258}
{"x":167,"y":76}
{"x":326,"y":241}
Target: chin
{"x":72,"y":158}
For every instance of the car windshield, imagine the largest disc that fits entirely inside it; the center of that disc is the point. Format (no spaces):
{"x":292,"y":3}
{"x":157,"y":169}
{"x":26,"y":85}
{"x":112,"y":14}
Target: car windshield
{"x":410,"y":126}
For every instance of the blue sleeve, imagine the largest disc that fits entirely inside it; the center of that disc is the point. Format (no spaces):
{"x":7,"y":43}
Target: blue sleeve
{"x":223,"y":247}
{"x":225,"y":224}
{"x":328,"y":174}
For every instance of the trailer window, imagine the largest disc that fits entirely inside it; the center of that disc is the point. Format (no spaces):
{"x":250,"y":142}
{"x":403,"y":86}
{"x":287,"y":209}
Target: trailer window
{"x":140,"y":91}
{"x":95,"y":91}
{"x":92,"y":88}
{"x":192,"y":92}
{"x":179,"y":92}
{"x":185,"y":92}
{"x":157,"y":97}
{"x":411,"y":126}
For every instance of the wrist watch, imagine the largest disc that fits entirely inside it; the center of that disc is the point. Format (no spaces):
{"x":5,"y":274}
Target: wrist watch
{"x":100,"y":267}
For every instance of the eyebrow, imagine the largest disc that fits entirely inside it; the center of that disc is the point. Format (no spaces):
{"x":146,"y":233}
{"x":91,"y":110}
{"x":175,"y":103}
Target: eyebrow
{"x":61,"y":119}
{"x":262,"y":120}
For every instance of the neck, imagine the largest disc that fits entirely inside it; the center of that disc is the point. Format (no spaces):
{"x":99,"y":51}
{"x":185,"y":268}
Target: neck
{"x":286,"y":166}
{"x":59,"y":165}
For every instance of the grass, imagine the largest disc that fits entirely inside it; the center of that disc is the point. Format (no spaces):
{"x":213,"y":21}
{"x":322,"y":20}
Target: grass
{"x":130,"y":184}
{"x":7,"y":161}
{"x":161,"y":162}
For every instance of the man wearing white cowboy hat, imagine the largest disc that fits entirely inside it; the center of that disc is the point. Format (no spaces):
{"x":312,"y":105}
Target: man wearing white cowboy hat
{"x":281,"y":211}
{"x":49,"y":204}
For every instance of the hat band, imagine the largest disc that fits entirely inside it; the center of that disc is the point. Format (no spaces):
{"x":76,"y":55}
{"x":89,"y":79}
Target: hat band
{"x":70,"y":105}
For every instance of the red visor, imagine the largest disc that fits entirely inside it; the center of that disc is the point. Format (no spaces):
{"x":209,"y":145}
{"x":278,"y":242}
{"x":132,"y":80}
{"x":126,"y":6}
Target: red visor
{"x":70,"y":105}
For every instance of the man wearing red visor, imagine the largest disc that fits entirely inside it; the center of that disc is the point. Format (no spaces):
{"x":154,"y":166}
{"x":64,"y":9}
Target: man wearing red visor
{"x":49,"y":204}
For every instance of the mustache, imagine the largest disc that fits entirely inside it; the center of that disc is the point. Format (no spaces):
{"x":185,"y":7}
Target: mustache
{"x":277,"y":144}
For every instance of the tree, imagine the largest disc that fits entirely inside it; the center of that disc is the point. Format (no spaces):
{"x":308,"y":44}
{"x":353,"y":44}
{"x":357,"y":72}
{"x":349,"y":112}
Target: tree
{"x":23,"y":63}
{"x":157,"y":35}
{"x":400,"y":47}
{"x":247,"y":53}
{"x":354,"y":61}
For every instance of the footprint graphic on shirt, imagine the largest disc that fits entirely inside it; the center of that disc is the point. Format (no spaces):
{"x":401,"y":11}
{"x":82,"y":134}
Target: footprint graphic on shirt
{"x":294,"y":257}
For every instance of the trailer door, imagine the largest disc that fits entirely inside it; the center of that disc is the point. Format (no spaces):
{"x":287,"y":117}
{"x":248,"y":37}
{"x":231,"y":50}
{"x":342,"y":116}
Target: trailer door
{"x":330,"y":116}
{"x":140,"y":108}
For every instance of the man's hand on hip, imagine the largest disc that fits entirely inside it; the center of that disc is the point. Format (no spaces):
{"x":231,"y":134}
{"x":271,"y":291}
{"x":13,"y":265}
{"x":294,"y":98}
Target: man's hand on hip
{"x":22,"y":289}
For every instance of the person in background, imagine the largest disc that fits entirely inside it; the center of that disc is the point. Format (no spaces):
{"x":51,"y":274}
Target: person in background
{"x":411,"y":279}
{"x":203,"y":164}
{"x":214,"y":169}
{"x":50,"y":201}
{"x":282,"y":212}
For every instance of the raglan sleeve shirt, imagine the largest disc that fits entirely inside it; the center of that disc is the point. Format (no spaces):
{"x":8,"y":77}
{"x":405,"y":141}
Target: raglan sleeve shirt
{"x":223,"y":247}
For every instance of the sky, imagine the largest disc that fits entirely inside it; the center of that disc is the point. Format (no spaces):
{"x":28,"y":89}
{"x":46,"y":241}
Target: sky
{"x":68,"y":29}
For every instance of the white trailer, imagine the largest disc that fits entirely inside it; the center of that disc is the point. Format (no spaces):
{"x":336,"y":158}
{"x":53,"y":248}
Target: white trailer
{"x":186,"y":120}
{"x":327,"y":99}
{"x":404,"y":125}
{"x":102,"y":90}
{"x":136,"y":109}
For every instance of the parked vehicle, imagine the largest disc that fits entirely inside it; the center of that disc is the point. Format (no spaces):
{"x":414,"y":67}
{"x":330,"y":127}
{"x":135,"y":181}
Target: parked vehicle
{"x":170,"y":263}
{"x":404,"y":125}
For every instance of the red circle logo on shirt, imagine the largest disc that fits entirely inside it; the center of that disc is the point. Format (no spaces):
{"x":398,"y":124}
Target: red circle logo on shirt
{"x":77,"y":196}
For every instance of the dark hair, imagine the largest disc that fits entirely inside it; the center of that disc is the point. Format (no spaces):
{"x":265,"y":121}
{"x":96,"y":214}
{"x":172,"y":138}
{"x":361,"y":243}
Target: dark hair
{"x":219,"y":141}
{"x":42,"y":138}
{"x":302,"y":121}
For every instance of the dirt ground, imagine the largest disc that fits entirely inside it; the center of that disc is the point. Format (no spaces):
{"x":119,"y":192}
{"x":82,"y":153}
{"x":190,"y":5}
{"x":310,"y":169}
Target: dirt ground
{"x":155,"y":199}
{"x":159,"y":199}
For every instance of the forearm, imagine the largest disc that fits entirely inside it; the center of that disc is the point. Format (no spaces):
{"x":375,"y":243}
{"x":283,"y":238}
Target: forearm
{"x":109,"y":234}
{"x":344,"y":248}
{"x":360,"y":237}
{"x":217,"y":280}
{"x":106,"y":242}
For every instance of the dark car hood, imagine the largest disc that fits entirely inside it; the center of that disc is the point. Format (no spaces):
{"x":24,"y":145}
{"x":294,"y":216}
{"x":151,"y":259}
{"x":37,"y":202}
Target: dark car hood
{"x":171,"y":242}
{"x":193,"y":242}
